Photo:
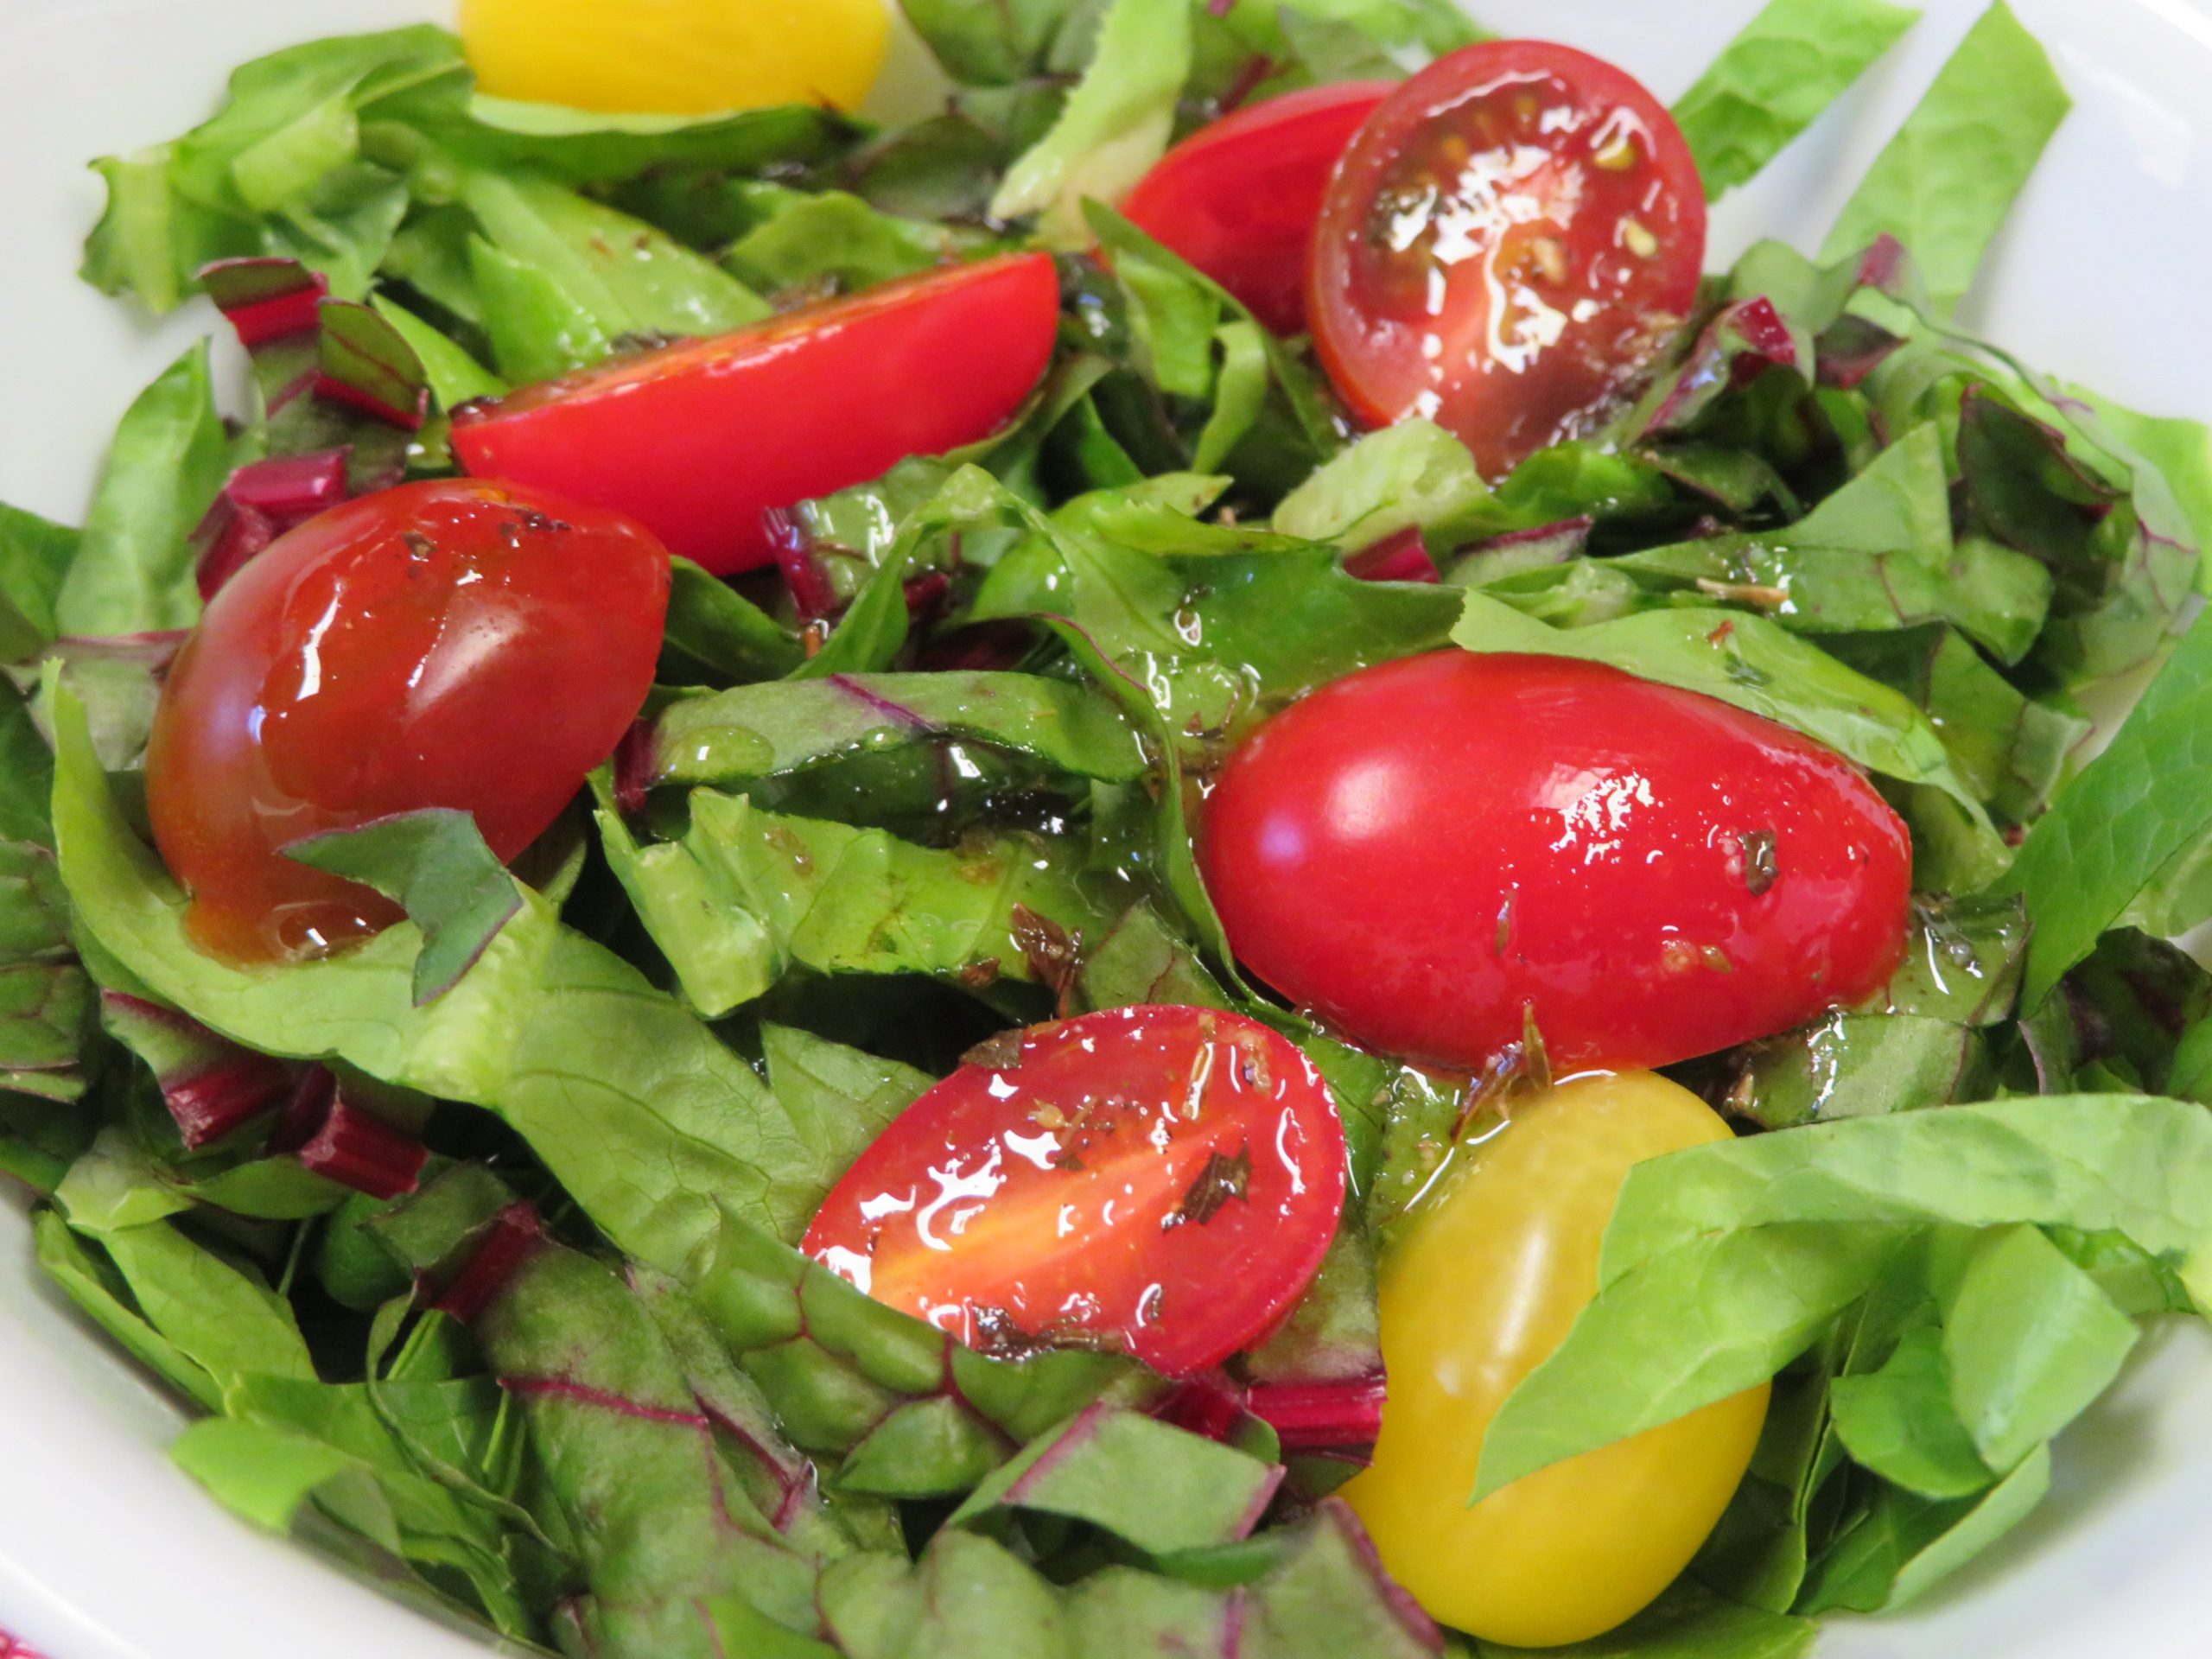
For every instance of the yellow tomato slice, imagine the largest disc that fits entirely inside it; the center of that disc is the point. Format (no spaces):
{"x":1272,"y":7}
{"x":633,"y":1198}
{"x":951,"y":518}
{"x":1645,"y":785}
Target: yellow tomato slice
{"x":1490,"y":1274}
{"x":677,"y":57}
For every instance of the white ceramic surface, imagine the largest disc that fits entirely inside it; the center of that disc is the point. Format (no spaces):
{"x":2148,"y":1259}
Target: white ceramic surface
{"x":107,"y":1553}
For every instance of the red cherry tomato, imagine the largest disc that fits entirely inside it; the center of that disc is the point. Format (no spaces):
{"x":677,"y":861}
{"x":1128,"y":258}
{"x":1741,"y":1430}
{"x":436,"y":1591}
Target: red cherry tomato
{"x":1159,"y":1180}
{"x":697,"y":440}
{"x":463,"y":645}
{"x":1508,"y":242}
{"x":1239,"y":199}
{"x":1430,"y":848}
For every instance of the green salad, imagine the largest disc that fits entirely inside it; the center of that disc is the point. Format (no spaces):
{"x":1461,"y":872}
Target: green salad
{"x":1185,"y":864}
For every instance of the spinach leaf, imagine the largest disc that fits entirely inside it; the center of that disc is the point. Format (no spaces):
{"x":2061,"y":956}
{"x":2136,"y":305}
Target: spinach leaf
{"x":641,"y":1111}
{"x":718,"y":636}
{"x":222,"y":1316}
{"x":623,"y":275}
{"x":538,"y":330}
{"x":133,"y":569}
{"x":90,"y":1280}
{"x":1115,"y":124}
{"x":1946,"y":182}
{"x":323,"y":1459}
{"x":1773,"y":80}
{"x":804,"y":240}
{"x":839,"y":1099}
{"x":591,"y":147}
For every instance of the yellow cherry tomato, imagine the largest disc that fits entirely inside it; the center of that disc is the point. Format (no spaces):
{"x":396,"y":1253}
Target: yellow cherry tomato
{"x":677,"y":57}
{"x":1489,"y":1273}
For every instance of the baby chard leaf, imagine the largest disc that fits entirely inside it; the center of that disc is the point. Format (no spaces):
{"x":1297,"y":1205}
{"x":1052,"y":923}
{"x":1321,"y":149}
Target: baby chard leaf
{"x":434,"y":864}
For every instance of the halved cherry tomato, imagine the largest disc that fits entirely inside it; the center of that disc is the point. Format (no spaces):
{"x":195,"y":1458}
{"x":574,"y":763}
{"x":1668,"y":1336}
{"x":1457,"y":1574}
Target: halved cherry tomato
{"x":1159,"y":1180}
{"x":1239,"y":199}
{"x":1508,"y":242}
{"x":1489,"y":1273}
{"x":696,"y":440}
{"x":464,"y":644}
{"x":1436,"y":853}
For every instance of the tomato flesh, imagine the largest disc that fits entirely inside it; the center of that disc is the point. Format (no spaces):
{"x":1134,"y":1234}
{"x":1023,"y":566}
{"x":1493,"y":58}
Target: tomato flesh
{"x":1435,"y":853}
{"x":1489,"y":1273}
{"x":697,"y":440}
{"x":1508,"y":242}
{"x":1163,"y":1181}
{"x":472,"y":646}
{"x":1240,"y":199}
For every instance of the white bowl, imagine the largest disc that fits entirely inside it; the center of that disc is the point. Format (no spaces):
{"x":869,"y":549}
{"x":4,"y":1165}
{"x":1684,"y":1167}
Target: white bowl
{"x":108,"y":1552}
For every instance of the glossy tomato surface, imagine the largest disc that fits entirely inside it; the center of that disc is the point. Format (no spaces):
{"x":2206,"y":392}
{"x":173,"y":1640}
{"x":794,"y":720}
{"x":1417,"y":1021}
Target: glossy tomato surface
{"x":1240,"y":199}
{"x":675,"y":57}
{"x":1510,"y":240}
{"x":698,"y":439}
{"x":1428,"y":849}
{"x":1163,"y":1181}
{"x":1481,"y":1286}
{"x":472,"y":646}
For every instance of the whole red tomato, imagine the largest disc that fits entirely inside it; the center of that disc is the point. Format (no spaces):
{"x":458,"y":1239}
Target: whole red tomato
{"x":1432,"y":853}
{"x":464,"y":644}
{"x":1510,"y":242}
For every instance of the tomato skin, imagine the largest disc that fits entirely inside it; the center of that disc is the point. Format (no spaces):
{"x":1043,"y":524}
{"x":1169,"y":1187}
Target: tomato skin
{"x":1425,"y":850}
{"x":461,"y":645}
{"x":1480,"y":1288}
{"x":697,"y":440}
{"x":1240,"y":199}
{"x":1519,"y":297}
{"x":1160,"y":1181}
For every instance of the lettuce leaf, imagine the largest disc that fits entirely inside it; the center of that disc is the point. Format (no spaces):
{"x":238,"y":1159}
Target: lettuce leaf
{"x":280,"y":169}
{"x":133,"y":569}
{"x":1721,"y":1264}
{"x":1116,"y":123}
{"x":1947,"y":181}
{"x":1776,"y":77}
